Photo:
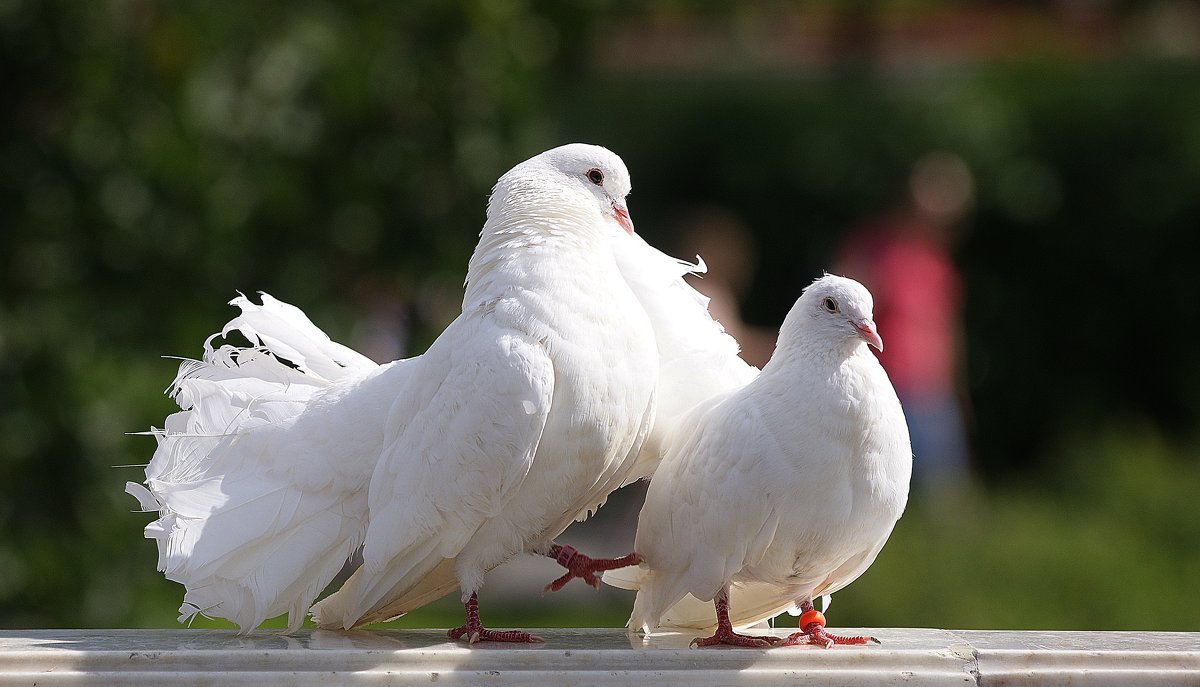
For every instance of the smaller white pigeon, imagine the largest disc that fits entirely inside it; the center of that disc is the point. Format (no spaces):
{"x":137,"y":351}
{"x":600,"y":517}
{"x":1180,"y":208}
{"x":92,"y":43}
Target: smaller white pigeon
{"x":786,"y":488}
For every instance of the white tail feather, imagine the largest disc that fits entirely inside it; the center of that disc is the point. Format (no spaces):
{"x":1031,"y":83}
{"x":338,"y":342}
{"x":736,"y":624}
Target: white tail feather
{"x":254,"y":519}
{"x":353,"y":606}
{"x":438,"y":583}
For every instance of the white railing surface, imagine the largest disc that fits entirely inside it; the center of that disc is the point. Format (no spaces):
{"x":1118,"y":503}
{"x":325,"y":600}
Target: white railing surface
{"x":591,"y":657}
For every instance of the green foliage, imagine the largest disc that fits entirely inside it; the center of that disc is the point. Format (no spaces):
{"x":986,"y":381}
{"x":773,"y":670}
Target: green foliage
{"x":1104,"y":540}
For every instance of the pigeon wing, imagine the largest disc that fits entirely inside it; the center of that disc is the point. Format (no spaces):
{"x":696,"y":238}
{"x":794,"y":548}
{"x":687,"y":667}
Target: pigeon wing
{"x":466,"y":430}
{"x":692,"y":546}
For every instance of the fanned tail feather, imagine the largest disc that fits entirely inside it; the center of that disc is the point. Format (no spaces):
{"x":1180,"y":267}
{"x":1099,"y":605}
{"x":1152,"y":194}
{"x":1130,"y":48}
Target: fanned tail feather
{"x":286,"y":332}
{"x":249,"y":522}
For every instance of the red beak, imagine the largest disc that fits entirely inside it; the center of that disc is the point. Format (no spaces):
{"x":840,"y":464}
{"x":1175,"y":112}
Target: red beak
{"x":866,"y":329}
{"x":621,"y":213}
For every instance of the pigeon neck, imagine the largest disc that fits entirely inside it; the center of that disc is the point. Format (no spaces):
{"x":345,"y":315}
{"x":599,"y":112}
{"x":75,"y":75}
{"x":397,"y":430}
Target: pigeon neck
{"x":523,"y":243}
{"x":810,"y":350}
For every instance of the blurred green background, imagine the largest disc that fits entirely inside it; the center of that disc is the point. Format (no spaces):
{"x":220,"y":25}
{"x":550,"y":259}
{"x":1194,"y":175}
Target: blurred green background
{"x":155,"y":157}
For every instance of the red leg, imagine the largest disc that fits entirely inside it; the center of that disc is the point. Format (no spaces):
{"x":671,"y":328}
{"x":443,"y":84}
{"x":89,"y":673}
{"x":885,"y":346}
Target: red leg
{"x":476,"y":632}
{"x":812,"y":631}
{"x":725,"y":633}
{"x":583,"y":567}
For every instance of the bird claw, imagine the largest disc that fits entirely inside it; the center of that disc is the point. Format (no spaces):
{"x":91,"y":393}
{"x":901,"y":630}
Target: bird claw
{"x":801,"y":639}
{"x":476,"y":632}
{"x":482,"y":634}
{"x":584,"y":567}
{"x":819,"y":637}
{"x":589,"y":578}
{"x":731,"y":638}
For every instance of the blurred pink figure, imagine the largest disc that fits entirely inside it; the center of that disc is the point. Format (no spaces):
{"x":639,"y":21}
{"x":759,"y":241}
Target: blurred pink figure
{"x":904,"y":259}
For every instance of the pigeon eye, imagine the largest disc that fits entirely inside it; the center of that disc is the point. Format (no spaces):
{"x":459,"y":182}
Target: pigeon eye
{"x":595,"y":176}
{"x":829,"y":304}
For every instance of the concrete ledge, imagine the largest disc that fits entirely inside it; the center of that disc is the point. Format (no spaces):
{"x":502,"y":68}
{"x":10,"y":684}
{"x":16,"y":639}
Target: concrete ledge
{"x":591,"y":657}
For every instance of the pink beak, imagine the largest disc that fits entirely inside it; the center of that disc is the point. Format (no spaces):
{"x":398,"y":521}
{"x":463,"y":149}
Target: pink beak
{"x":621,"y":213}
{"x":866,"y":329}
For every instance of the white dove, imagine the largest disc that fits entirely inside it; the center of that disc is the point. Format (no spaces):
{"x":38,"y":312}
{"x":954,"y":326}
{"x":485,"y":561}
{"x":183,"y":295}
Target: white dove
{"x":696,"y":359}
{"x":528,"y":410}
{"x":785,"y":489}
{"x":524,"y":414}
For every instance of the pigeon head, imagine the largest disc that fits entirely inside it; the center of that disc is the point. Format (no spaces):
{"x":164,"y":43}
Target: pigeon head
{"x":573,"y":195}
{"x":833,"y":309}
{"x":588,"y":172}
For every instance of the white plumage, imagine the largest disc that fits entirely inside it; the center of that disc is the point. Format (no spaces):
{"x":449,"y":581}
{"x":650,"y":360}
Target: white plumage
{"x":258,"y":481}
{"x":697,"y":359}
{"x":783,"y":490}
{"x":525,"y":414}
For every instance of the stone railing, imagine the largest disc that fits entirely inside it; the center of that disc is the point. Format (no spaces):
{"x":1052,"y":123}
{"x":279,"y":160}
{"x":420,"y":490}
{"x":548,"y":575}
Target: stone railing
{"x":591,"y":657}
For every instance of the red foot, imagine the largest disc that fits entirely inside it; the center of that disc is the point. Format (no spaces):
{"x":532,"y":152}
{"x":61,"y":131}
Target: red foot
{"x":726,"y":635}
{"x":476,"y":632}
{"x":482,"y":634}
{"x":583,"y":567}
{"x":729,"y":637}
{"x":814,"y":633}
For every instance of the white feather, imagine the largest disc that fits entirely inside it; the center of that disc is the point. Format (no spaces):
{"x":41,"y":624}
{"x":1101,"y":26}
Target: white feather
{"x":697,"y":359}
{"x":256,"y":512}
{"x":785,"y":489}
{"x":526,"y":411}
